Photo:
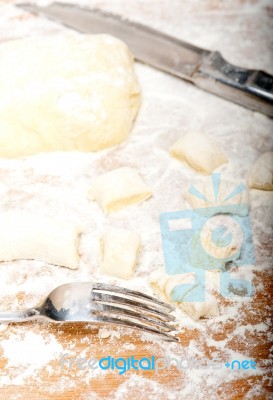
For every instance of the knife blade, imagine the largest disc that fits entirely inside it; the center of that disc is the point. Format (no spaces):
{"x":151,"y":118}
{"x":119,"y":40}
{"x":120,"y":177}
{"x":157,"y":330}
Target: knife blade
{"x":206,"y":69}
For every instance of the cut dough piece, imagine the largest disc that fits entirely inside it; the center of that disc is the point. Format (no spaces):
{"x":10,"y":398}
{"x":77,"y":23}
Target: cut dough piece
{"x":213,"y":280}
{"x":164,"y":284}
{"x":196,"y":310}
{"x":65,"y":92}
{"x":215,"y":196}
{"x":219,"y":241}
{"x":199,"y":152}
{"x":261,"y":175}
{"x":119,"y":251}
{"x":118,"y":189}
{"x":27,"y":236}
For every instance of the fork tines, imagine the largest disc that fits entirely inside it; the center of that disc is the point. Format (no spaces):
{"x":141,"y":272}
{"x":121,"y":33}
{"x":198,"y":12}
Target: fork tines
{"x":132,"y":308}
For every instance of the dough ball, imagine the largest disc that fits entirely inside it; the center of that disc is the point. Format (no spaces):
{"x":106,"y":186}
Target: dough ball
{"x":164,"y":284}
{"x":27,"y":236}
{"x":199,"y":152}
{"x":65,"y":92}
{"x":261,"y":175}
{"x":210,"y":198}
{"x":119,"y":188}
{"x":119,"y":251}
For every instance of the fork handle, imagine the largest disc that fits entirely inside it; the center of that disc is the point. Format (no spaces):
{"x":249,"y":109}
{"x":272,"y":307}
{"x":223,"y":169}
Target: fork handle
{"x":18,"y":316}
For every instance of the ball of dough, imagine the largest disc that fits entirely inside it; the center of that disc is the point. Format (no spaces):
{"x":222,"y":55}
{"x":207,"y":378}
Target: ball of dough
{"x":199,"y":152}
{"x":261,"y":175}
{"x":65,"y":92}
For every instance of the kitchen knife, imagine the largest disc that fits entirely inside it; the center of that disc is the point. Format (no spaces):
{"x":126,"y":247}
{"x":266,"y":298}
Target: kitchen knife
{"x":206,"y":69}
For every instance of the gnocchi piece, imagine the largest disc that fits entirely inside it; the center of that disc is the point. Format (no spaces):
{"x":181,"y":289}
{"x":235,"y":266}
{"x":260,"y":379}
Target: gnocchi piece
{"x":207,"y":309}
{"x":261,"y":175}
{"x":119,"y":251}
{"x":199,"y":152}
{"x":164,"y":285}
{"x":118,"y":189}
{"x":218,"y":242}
{"x":27,"y":236}
{"x":229,"y":199}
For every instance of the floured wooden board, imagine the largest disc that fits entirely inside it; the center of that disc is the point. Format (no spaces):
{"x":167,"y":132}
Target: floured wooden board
{"x":58,"y":183}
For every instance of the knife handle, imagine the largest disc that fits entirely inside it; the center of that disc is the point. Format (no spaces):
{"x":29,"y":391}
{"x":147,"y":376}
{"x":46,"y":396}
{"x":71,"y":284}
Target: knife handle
{"x":250,"y":88}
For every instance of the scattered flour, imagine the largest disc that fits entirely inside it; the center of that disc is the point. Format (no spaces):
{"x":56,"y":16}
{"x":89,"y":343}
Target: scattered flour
{"x":56,"y":184}
{"x":29,"y":353}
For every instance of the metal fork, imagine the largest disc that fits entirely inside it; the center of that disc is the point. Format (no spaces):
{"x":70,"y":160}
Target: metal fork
{"x":101,"y":303}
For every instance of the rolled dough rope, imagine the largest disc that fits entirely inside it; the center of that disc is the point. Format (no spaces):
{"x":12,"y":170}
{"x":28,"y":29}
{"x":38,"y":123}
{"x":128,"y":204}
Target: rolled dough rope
{"x":65,"y":93}
{"x":27,"y":236}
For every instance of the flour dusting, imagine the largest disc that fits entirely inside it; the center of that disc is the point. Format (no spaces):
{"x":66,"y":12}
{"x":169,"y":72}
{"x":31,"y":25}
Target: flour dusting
{"x":56,"y":184}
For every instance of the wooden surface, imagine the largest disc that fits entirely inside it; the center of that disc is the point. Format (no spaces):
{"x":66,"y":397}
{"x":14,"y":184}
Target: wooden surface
{"x":52,"y":385}
{"x":214,"y":21}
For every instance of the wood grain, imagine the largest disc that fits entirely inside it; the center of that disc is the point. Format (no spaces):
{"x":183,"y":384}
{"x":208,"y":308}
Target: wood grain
{"x":254,"y":346}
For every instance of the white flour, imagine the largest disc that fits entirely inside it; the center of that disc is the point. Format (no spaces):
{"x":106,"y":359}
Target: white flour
{"x":28,"y":354}
{"x":57,"y":184}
